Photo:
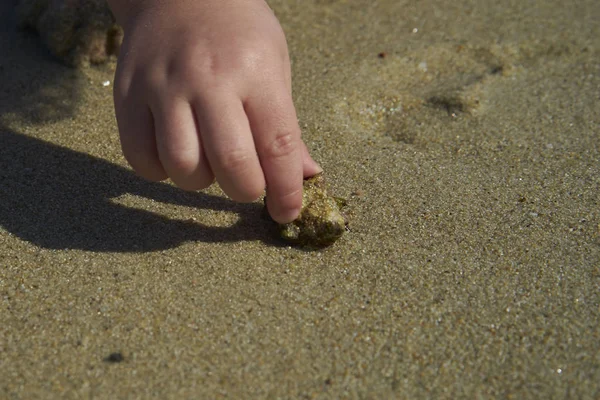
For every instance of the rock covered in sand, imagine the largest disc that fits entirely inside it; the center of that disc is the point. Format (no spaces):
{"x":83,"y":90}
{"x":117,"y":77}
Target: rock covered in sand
{"x":79,"y":32}
{"x":321,"y":221}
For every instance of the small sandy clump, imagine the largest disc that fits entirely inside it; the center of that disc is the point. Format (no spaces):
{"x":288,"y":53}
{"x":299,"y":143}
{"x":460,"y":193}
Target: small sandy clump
{"x":321,"y":221}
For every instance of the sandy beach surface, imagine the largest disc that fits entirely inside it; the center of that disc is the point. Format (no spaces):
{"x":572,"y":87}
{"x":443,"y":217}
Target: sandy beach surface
{"x":465,"y":136}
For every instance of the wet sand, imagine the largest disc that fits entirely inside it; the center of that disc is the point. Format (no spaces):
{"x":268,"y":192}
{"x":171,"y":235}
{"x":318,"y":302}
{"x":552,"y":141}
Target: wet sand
{"x":466,"y":137}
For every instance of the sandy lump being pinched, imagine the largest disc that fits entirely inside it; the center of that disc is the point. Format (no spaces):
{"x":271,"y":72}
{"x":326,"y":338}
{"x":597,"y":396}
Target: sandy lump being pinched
{"x":321,"y":221}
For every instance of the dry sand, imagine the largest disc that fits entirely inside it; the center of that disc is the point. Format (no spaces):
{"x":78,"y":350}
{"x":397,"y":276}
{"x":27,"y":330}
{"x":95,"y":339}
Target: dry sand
{"x":470,"y":154}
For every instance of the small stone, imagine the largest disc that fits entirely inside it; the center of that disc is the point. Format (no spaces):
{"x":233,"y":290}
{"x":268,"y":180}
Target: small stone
{"x":321,"y":221}
{"x":114,"y":358}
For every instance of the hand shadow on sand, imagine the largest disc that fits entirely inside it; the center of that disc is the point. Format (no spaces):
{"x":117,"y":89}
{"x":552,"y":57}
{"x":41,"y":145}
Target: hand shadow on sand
{"x":58,"y":198}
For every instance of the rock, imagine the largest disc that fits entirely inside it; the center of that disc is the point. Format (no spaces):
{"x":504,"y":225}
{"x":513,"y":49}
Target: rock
{"x":78,"y":32}
{"x":321,"y":221}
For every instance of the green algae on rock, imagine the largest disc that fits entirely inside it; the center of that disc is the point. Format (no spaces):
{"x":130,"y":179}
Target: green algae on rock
{"x":321,"y":221}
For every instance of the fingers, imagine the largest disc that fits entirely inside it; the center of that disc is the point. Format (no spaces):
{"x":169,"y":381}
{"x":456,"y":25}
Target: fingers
{"x":162,"y":141}
{"x":166,"y":143}
{"x":310,"y":166}
{"x":277,"y":135}
{"x":136,"y":129}
{"x":179,"y":148}
{"x":229,"y":146}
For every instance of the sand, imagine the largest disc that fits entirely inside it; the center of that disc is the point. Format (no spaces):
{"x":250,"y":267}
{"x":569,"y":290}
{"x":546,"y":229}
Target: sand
{"x":466,"y":137}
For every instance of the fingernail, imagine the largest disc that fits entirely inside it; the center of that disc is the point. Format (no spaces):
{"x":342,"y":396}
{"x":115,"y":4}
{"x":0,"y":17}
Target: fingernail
{"x":315,"y":165}
{"x":312,"y":168}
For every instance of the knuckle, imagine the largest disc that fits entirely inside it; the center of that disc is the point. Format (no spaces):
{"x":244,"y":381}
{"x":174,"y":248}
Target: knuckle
{"x":153,"y":78}
{"x":201,"y":67}
{"x":181,"y":163}
{"x":252,"y":57}
{"x":234,"y":161}
{"x":185,"y":170}
{"x":282,"y":145}
{"x":194,"y":62}
{"x":248,"y":60}
{"x":189,"y":69}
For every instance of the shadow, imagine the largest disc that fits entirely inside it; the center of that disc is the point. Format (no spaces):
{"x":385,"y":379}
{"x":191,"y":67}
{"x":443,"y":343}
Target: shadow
{"x":58,"y":198}
{"x":33,"y":85}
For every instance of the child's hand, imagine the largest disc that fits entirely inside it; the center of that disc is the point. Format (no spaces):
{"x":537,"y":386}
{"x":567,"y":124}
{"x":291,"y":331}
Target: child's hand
{"x":203,"y":91}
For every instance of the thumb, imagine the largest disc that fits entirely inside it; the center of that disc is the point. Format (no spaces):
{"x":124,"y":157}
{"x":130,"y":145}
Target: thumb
{"x":310,"y":166}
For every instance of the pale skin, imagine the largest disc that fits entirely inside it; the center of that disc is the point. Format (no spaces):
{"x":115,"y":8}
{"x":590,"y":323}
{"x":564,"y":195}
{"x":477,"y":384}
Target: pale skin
{"x":203,"y":93}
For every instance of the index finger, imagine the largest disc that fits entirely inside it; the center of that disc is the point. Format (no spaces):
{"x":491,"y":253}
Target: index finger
{"x":276,"y":133}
